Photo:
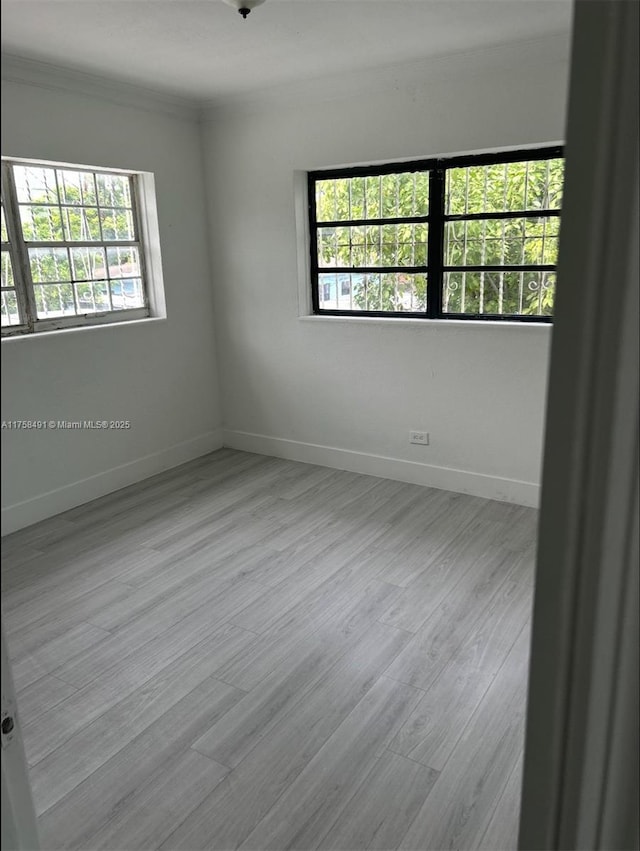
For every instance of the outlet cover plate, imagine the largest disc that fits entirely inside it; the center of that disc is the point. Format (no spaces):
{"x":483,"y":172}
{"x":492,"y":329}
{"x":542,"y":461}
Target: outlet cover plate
{"x":419,"y":437}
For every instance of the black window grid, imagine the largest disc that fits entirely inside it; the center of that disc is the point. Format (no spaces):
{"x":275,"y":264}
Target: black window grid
{"x":436,"y":219}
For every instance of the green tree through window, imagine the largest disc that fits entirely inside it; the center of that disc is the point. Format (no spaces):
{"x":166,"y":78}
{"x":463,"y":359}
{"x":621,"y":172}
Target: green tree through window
{"x":76,"y":230}
{"x":469,"y":238}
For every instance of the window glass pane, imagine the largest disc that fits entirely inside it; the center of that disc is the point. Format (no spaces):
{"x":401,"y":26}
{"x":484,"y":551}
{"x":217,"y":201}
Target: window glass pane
{"x":36,"y":184}
{"x":54,"y":300}
{"x":7,"y":270}
{"x":5,"y":235}
{"x":77,"y":187}
{"x":505,"y":187}
{"x":328,"y":252}
{"x":127,"y":294}
{"x":390,"y":195}
{"x":88,"y":264}
{"x":136,"y":294}
{"x":545,"y":184}
{"x":499,"y":293}
{"x":41,"y":224}
{"x":123,"y":262}
{"x":374,"y":197}
{"x":356,"y":199}
{"x":93,"y":297}
{"x":503,"y":242}
{"x":540,"y":293}
{"x":10,"y":313}
{"x":81,"y":224}
{"x":117,"y":224}
{"x":326,"y":201}
{"x":396,"y":292}
{"x":113,"y":190}
{"x":373,"y":245}
{"x":49,"y":264}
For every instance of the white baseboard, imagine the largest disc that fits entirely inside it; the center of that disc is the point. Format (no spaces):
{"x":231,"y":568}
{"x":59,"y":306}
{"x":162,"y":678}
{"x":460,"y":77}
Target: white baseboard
{"x":445,"y":478}
{"x":54,"y":502}
{"x":48,"y":504}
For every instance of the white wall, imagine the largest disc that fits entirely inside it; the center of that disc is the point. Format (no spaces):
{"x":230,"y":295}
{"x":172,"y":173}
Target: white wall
{"x":347,"y":392}
{"x":160,"y":375}
{"x":344,"y":393}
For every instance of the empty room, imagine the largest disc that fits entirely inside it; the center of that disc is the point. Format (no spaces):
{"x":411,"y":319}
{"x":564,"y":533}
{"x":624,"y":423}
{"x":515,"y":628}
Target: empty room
{"x":279,"y":284}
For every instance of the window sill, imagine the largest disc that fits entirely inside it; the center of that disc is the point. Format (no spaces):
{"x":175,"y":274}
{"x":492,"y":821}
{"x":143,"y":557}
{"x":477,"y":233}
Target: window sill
{"x":411,"y":322}
{"x":79,"y":329}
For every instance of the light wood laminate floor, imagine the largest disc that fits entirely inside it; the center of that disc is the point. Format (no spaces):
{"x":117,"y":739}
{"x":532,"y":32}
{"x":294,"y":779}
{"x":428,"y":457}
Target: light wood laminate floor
{"x":246,"y":652}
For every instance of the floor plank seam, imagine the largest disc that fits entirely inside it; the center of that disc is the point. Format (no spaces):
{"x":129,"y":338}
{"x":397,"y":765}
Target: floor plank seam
{"x":414,"y":761}
{"x":195,"y":750}
{"x":354,"y":589}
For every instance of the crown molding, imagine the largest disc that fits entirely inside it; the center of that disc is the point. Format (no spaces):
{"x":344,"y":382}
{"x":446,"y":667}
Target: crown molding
{"x":32,"y":72}
{"x":553,"y":49}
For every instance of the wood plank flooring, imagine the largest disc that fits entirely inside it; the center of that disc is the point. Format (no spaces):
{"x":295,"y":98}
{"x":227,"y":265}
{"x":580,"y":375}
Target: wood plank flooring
{"x":246,"y":652}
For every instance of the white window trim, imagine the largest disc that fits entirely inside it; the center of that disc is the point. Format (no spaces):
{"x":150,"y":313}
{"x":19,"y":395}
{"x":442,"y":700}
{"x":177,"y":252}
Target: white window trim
{"x":146,"y":217}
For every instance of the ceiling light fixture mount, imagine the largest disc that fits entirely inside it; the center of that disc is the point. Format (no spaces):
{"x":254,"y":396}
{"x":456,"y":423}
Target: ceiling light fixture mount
{"x":244,"y":6}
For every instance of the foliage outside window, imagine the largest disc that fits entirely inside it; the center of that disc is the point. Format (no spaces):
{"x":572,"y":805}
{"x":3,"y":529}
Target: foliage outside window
{"x":466,"y":238}
{"x":71,"y":250}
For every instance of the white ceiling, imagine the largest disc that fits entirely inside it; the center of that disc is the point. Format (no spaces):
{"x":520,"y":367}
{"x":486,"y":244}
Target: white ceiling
{"x":203,"y":49}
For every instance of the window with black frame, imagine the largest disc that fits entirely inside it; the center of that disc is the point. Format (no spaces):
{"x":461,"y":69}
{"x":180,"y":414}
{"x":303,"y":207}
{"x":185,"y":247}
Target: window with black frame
{"x":467,"y":238}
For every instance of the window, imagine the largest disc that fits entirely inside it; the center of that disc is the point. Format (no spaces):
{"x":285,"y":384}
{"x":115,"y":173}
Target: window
{"x":471,"y":237}
{"x":71,"y":247}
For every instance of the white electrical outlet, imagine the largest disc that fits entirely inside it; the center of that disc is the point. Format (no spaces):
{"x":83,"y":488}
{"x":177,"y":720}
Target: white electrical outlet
{"x":420,"y":437}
